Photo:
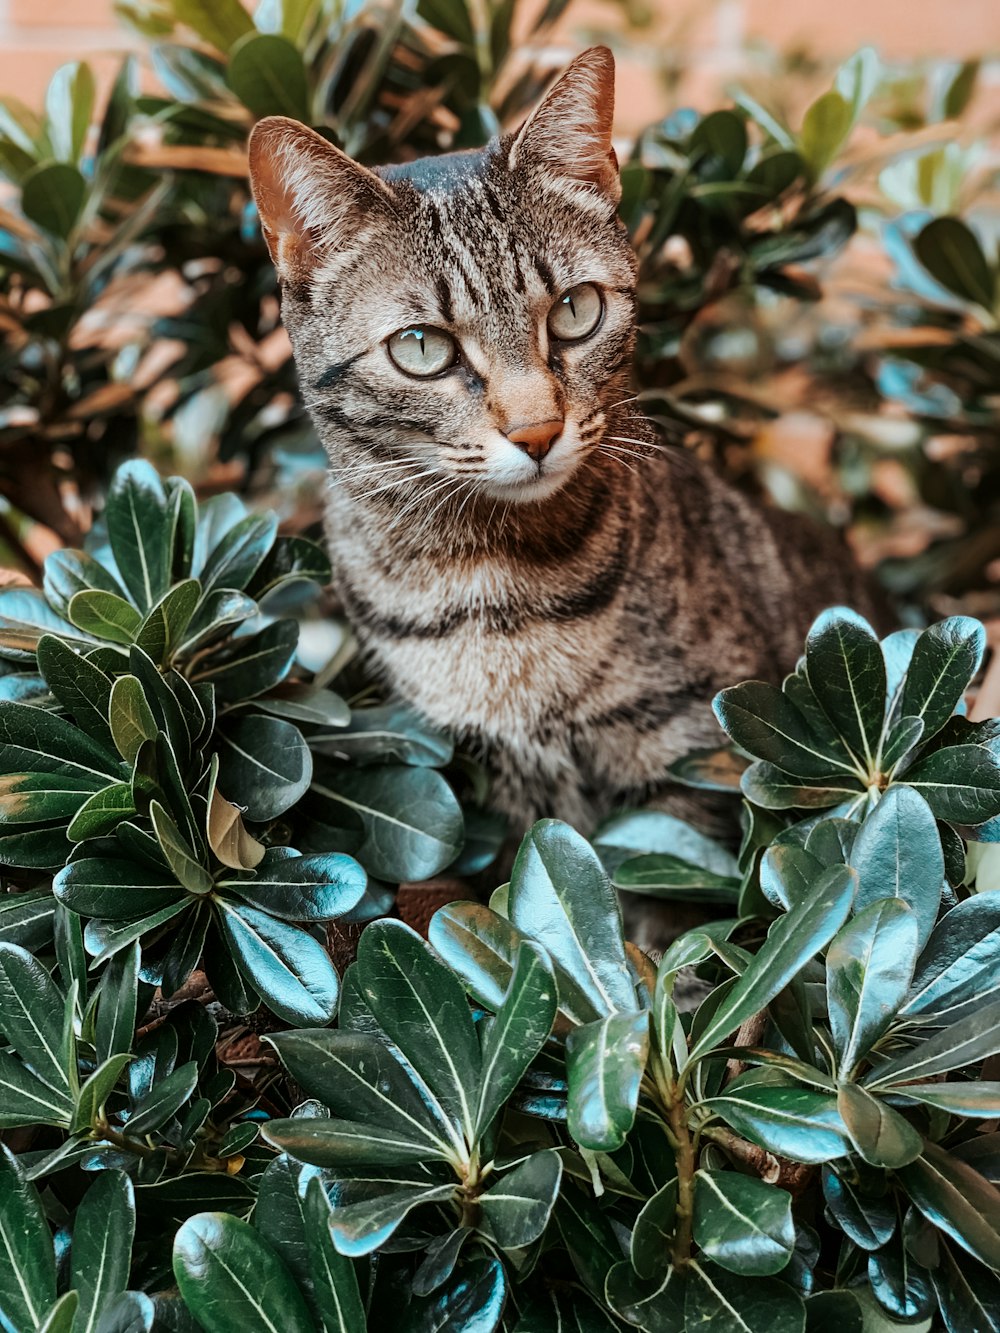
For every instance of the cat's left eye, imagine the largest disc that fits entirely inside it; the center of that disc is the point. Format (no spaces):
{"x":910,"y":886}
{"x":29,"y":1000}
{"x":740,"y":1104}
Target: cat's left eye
{"x":576,"y":313}
{"x":422,"y":351}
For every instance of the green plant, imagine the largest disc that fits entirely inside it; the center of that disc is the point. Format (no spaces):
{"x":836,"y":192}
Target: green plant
{"x":150,"y":703}
{"x":526,"y":1120}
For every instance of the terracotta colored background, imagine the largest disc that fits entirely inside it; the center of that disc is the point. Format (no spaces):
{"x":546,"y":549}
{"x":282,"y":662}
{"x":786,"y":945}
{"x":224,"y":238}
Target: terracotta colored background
{"x":697,"y":47}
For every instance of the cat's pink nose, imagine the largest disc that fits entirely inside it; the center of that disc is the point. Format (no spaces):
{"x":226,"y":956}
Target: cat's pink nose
{"x":536,"y":440}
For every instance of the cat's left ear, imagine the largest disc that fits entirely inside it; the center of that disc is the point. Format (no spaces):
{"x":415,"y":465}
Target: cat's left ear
{"x":312,"y":199}
{"x":569,"y":132}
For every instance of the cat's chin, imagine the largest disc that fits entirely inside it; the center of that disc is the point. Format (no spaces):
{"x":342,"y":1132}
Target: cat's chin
{"x":531,"y":490}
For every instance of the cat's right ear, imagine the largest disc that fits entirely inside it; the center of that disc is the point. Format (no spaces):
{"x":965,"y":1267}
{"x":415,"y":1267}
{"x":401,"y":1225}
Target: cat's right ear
{"x":311,"y":197}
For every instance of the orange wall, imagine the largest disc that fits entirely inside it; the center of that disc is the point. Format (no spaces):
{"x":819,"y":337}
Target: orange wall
{"x":707,"y":39}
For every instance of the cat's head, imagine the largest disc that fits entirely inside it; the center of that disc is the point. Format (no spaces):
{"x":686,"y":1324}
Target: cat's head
{"x":469,"y":316}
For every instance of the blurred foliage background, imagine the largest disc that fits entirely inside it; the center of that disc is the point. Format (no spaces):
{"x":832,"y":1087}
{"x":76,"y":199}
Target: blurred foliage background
{"x":819,"y":292}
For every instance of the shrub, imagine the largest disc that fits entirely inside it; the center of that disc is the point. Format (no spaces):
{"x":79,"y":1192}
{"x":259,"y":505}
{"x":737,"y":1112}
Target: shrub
{"x":526,"y":1120}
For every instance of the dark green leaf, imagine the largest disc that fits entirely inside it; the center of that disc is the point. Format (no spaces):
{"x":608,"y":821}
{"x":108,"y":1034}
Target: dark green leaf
{"x":517,"y":1208}
{"x":27,"y":1262}
{"x":115,"y":889}
{"x":302,"y":888}
{"x":336,"y":1284}
{"x":232,"y":1281}
{"x":287,"y":966}
{"x":116,"y":1008}
{"x":846,"y":671}
{"x":31,"y":1018}
{"x":265,"y":765}
{"x":605,"y":1061}
{"x":375,"y":735}
{"x":791,"y":942}
{"x":32,"y":740}
{"x":266,"y":73}
{"x":81,"y":688}
{"x":102,"y":812}
{"x":164,"y":627}
{"x":964,"y":1042}
{"x":518,"y":1032}
{"x":958,"y":965}
{"x":422,"y":1008}
{"x":32,"y":798}
{"x":360,"y":1227}
{"x":868,"y":970}
{"x":951,"y":253}
{"x":799,"y":1123}
{"x":945,"y":659}
{"x":954,"y":1197}
{"x":960,"y":783}
{"x":52,"y":196}
{"x":96,"y":1091}
{"x":346,"y":1143}
{"x":411,"y":822}
{"x":473,"y":1300}
{"x":743,"y":1224}
{"x":26,"y":918}
{"x":867,"y":1216}
{"x":719,"y":1302}
{"x":102,"y":1245}
{"x":766,"y":724}
{"x":163,"y":1100}
{"x":976,"y":1100}
{"x":139,"y":530}
{"x":880,"y":1135}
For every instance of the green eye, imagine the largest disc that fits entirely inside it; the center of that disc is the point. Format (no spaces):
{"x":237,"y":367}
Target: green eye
{"x":576,"y":313}
{"x":422,"y":352}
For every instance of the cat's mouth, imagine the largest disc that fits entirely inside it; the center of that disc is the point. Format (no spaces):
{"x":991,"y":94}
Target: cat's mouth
{"x":529,"y":489}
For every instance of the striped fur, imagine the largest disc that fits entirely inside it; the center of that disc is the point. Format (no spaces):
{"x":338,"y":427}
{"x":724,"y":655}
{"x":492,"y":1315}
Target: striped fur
{"x":572,"y":618}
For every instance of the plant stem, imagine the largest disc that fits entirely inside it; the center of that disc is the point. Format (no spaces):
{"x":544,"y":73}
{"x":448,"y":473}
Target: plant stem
{"x":686,"y":1158}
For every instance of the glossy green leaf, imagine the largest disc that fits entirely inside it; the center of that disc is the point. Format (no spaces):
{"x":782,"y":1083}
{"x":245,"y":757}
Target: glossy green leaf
{"x":801,"y":1123}
{"x":265,"y":765}
{"x":163,"y":1100}
{"x":954,"y":1197}
{"x":791,"y":942}
{"x":35,"y":741}
{"x":114,"y":888}
{"x":869,"y":966}
{"x":743,"y":1224}
{"x":346,"y":1143}
{"x":27,"y":1260}
{"x":302,"y":888}
{"x":105,"y":616}
{"x":880,"y":1135}
{"x":96,"y":1090}
{"x":356,"y":1076}
{"x":964,"y":1042}
{"x":960,"y":783}
{"x":101,"y":813}
{"x":26,"y":1100}
{"x":410,"y":821}
{"x":232,"y":1280}
{"x":336,"y":1284}
{"x":132,"y":719}
{"x":958,"y":964}
{"x":165,"y":625}
{"x":897,"y":854}
{"x":766,"y":724}
{"x":31,"y":1017}
{"x":177,"y":852}
{"x":623,"y":836}
{"x":68,"y":572}
{"x":788,"y":874}
{"x":283,"y":963}
{"x":32,"y":798}
{"x":605,"y":1061}
{"x":517,"y":1208}
{"x":422,"y":1007}
{"x":391,"y":733}
{"x":656,"y":1305}
{"x":102,"y":1245}
{"x":81,"y":688}
{"x":945,"y":658}
{"x":865,"y":1215}
{"x":280,"y":1219}
{"x":846,"y":671}
{"x":62,"y":1315}
{"x":561,"y":896}
{"x":976,"y":1100}
{"x":719,"y":1302}
{"x":517,"y":1033}
{"x":117,"y":1006}
{"x":139,"y":529}
{"x":26,"y":918}
{"x":290,"y":560}
{"x":473,"y":1300}
{"x":363,"y":1226}
{"x":266,"y":73}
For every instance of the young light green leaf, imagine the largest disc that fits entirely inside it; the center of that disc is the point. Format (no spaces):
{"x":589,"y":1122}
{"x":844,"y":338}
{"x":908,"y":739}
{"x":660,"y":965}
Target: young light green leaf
{"x":131,"y":718}
{"x":181,"y":859}
{"x":105,"y":616}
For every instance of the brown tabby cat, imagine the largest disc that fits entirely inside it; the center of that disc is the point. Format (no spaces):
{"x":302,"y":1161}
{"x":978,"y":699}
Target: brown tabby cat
{"x":523,"y":562}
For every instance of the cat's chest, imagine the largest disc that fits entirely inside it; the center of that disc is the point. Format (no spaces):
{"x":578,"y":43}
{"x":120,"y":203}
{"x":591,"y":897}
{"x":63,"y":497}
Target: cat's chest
{"x":472,"y":650}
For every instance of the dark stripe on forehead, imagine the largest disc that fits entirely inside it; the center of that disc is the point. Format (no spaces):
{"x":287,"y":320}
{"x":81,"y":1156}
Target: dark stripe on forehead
{"x":493,"y":202}
{"x":519,"y":284}
{"x":454,"y":260}
{"x":546,"y":274}
{"x":444,"y":299}
{"x":333,"y":374}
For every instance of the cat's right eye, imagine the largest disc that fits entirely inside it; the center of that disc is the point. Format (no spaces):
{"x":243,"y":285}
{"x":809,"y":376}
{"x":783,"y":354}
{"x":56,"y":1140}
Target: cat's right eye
{"x":422,"y":351}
